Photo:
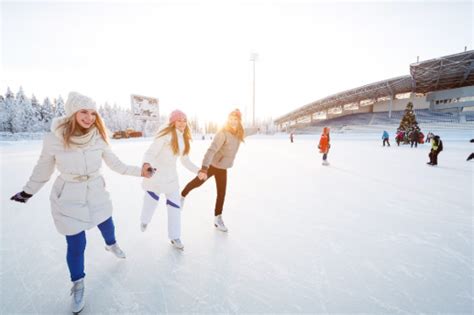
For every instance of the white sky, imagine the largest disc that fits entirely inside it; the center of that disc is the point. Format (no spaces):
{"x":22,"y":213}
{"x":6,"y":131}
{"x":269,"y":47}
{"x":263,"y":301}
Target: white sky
{"x":194,"y":55}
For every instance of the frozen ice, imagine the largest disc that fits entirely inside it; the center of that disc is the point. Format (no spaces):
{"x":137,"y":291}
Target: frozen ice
{"x":377,"y":231}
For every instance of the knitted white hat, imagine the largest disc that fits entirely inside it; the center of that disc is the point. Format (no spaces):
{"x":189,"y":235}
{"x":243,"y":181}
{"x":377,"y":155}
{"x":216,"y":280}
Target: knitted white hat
{"x":76,"y":102}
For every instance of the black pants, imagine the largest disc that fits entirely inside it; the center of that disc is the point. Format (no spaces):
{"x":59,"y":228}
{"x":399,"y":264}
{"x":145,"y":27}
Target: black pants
{"x":413,"y":142}
{"x":434,"y":157}
{"x":386,"y":140}
{"x":470,"y":157}
{"x":220,"y":176}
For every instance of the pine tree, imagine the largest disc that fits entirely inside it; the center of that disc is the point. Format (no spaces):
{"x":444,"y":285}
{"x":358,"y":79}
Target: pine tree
{"x":47,"y":113}
{"x":37,"y":121}
{"x":6,"y":119}
{"x":22,"y":113}
{"x":59,"y":107}
{"x":3,"y":114}
{"x":408,"y":123}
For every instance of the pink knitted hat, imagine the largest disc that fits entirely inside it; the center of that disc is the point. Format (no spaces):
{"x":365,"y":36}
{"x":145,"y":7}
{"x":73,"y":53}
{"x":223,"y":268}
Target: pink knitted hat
{"x":236,"y":113}
{"x":176,"y":115}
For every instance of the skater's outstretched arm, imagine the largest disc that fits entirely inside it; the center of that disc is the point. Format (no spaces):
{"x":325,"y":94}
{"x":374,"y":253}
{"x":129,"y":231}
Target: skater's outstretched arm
{"x":118,"y":166}
{"x":186,"y":161}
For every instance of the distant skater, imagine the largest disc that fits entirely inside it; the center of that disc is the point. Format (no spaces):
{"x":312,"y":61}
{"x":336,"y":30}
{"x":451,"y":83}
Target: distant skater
{"x":436,"y":148}
{"x":385,"y":138}
{"x":324,"y":145}
{"x":471,"y":156}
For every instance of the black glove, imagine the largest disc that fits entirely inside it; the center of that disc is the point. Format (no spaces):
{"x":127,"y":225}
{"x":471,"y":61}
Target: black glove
{"x":21,"y":197}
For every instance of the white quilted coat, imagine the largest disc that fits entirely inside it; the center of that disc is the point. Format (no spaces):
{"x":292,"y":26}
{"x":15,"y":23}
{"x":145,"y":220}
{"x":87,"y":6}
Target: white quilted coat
{"x":77,"y":204}
{"x":160,"y":156}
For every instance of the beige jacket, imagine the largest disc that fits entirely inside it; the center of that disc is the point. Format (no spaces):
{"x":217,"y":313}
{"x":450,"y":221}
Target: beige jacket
{"x":222,"y":152}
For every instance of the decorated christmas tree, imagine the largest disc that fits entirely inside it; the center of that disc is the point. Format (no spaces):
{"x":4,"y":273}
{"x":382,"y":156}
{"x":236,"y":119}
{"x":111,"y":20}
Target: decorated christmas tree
{"x":408,"y":124}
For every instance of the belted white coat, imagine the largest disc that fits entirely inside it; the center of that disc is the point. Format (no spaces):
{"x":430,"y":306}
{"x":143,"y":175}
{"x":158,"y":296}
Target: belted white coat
{"x":77,"y":204}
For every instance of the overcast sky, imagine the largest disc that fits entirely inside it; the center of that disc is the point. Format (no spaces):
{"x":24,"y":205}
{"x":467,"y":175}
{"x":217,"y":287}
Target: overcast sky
{"x":194,"y":55}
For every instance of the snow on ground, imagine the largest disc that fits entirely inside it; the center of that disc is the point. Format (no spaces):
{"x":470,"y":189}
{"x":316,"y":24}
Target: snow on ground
{"x":376,"y":232}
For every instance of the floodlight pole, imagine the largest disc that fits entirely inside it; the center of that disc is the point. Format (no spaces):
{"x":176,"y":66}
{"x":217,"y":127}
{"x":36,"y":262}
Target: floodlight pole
{"x":253,"y":58}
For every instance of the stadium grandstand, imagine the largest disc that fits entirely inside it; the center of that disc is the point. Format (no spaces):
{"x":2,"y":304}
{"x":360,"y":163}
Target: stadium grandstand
{"x":441,"y":90}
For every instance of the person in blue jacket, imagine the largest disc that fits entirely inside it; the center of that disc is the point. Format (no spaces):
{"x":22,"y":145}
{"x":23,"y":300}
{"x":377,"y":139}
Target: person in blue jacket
{"x":385,"y":138}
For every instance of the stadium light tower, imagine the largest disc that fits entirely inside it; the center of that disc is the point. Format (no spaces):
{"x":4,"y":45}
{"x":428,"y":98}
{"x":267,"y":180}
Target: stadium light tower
{"x":253,"y":58}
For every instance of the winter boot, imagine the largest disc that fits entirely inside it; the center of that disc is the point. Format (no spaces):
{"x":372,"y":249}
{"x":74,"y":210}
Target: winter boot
{"x":77,"y":292}
{"x":143,"y":227}
{"x":177,"y":244}
{"x":219,"y":223}
{"x":116,"y":250}
{"x":325,"y":162}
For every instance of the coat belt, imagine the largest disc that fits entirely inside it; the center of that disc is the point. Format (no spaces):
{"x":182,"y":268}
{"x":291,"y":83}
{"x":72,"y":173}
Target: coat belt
{"x":79,"y":178}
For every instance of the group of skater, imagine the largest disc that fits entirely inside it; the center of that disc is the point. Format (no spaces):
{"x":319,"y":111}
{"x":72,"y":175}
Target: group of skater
{"x":412,"y":136}
{"x":76,"y":146}
{"x":415,"y":136}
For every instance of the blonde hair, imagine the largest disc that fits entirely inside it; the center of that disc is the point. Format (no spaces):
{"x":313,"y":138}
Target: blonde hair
{"x":238,"y":132}
{"x":71,"y":128}
{"x":171,"y":128}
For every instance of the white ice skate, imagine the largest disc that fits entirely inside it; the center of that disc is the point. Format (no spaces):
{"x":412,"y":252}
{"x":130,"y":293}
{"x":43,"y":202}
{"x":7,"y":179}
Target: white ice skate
{"x":177,"y":244}
{"x":182,"y":202}
{"x":116,"y":250}
{"x":143,"y":227}
{"x":219,"y":223}
{"x":325,"y":162}
{"x":77,"y":292}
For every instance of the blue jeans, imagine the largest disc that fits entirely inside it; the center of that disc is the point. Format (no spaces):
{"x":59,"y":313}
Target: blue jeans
{"x":76,"y":245}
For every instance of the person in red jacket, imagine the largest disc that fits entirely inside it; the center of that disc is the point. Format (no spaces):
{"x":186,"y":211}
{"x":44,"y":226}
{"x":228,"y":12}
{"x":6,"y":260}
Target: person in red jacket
{"x":324,"y":145}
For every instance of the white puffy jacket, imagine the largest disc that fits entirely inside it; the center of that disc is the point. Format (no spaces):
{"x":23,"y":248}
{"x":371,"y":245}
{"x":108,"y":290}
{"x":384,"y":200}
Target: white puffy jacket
{"x":160,"y":155}
{"x":79,"y":200}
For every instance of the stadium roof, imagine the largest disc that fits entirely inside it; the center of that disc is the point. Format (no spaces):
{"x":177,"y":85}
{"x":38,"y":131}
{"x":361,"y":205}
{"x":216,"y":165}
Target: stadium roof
{"x":388,"y":87}
{"x":442,"y":73}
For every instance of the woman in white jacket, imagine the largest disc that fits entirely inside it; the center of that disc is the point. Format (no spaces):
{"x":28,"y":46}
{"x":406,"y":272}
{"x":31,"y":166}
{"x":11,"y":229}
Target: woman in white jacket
{"x":170,"y":142}
{"x":79,"y":201}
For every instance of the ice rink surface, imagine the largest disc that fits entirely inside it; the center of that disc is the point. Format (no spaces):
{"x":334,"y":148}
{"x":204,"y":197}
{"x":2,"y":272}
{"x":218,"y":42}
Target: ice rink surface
{"x":378,"y":232}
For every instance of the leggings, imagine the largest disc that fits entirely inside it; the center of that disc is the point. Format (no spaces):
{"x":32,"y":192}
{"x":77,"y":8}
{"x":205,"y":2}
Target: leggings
{"x":173,"y":203}
{"x":76,"y":245}
{"x":221,"y":184}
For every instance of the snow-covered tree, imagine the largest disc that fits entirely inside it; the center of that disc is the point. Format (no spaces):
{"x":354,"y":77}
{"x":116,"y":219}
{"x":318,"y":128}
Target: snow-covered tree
{"x":22,"y":113}
{"x":59,"y":107}
{"x":37,"y":122}
{"x":47,"y":114}
{"x":3,"y":114}
{"x":7,"y":108}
